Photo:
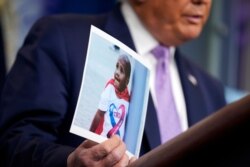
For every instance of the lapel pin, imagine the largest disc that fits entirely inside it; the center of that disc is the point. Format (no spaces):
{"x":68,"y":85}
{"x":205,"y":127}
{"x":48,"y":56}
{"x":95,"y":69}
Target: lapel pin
{"x":192,"y":79}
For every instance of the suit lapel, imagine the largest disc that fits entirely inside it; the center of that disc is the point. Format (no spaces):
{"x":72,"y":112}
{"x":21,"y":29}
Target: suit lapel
{"x":117,"y":27}
{"x":192,"y":89}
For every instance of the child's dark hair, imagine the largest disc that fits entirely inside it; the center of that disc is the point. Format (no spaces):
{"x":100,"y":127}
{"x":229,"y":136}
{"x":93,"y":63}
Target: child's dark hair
{"x":127,"y":64}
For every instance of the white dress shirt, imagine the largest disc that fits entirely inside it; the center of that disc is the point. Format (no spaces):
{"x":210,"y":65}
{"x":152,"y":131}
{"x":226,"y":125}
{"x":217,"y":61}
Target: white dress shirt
{"x":144,"y":43}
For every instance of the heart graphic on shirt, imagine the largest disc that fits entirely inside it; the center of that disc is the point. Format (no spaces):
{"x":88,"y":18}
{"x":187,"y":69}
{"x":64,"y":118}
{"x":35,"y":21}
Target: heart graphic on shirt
{"x":116,"y":125}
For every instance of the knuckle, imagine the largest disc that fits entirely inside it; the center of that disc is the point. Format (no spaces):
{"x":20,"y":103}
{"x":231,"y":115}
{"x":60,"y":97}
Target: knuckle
{"x":104,"y":148}
{"x":115,"y":156}
{"x":100,"y":154}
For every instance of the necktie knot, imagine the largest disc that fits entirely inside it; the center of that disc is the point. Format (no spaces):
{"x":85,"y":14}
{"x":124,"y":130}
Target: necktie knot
{"x":160,"y":52}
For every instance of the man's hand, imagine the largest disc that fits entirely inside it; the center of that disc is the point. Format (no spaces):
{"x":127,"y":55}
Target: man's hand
{"x":109,"y":153}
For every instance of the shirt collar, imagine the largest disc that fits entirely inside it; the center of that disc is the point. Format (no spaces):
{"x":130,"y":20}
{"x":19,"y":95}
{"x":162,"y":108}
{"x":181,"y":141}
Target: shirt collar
{"x":143,"y":40}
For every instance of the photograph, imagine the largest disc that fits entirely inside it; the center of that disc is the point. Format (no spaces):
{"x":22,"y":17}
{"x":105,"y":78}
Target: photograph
{"x":114,"y":93}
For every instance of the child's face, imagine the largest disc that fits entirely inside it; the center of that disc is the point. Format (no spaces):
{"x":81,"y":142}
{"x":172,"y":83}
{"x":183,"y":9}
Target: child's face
{"x":121,"y":80}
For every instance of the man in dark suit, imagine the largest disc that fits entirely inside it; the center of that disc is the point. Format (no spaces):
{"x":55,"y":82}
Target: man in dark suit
{"x":42,"y":88}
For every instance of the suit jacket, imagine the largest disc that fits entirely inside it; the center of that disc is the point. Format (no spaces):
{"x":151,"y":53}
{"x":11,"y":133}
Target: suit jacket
{"x":2,"y":58}
{"x":42,"y":88}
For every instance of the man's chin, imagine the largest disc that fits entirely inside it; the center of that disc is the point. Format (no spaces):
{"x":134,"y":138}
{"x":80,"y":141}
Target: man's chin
{"x":193,"y":32}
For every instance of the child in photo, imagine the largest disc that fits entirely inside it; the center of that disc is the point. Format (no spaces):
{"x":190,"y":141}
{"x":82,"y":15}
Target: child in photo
{"x":112,"y":110}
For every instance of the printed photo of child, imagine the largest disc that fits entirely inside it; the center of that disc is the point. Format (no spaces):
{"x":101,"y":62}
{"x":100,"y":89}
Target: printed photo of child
{"x":112,"y":111}
{"x":113,"y":94}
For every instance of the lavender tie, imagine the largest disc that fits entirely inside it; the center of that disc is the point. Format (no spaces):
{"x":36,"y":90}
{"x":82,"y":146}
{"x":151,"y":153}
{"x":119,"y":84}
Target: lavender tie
{"x":168,"y":119}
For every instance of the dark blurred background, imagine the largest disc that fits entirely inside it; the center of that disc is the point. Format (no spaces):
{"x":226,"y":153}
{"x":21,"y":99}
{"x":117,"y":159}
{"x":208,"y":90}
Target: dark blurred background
{"x":222,"y":48}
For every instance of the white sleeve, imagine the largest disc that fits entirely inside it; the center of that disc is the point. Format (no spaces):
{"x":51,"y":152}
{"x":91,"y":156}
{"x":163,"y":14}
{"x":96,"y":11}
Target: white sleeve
{"x":105,"y":98}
